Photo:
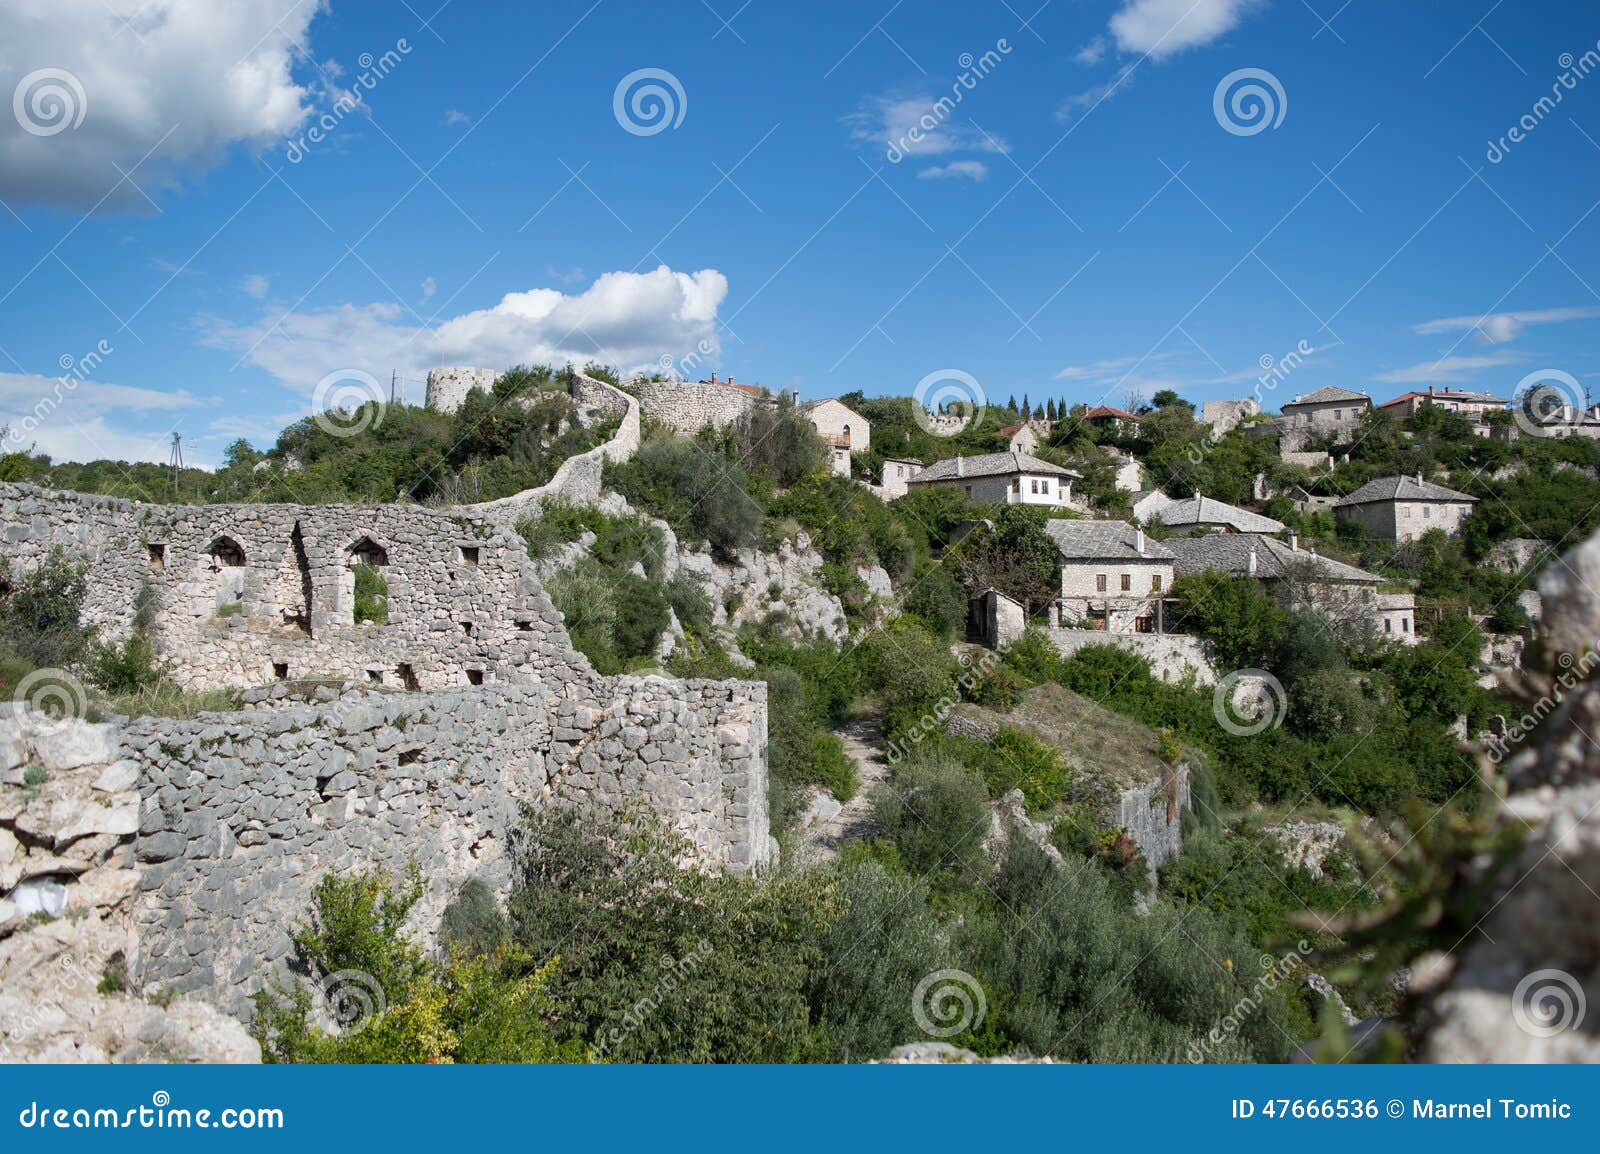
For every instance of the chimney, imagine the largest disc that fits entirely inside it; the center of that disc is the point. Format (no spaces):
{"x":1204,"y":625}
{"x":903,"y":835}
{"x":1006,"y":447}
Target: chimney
{"x":961,"y":466}
{"x":713,"y":376}
{"x":1419,"y":480}
{"x":1138,"y":541}
{"x":730,"y":378}
{"x":1294,"y":542}
{"x":1253,"y":561}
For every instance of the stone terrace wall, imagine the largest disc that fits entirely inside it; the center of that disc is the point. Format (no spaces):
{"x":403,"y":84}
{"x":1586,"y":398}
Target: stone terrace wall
{"x":245,"y":594}
{"x":242,"y":813}
{"x":578,"y":480}
{"x":1171,"y":655}
{"x":689,"y":406}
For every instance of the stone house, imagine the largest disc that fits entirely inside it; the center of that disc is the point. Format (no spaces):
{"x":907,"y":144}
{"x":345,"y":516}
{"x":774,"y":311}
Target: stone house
{"x":1113,"y":576}
{"x":1404,"y":508}
{"x":845,"y":431}
{"x":1010,"y":478}
{"x":897,"y":474}
{"x":1147,"y":503}
{"x":1330,"y":411}
{"x":1021,"y":438}
{"x":1202,"y":514}
{"x":1398,"y":612}
{"x":1297,"y":577}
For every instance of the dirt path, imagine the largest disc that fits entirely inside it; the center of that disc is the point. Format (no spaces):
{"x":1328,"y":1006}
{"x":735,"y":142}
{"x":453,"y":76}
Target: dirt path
{"x":817,"y":841}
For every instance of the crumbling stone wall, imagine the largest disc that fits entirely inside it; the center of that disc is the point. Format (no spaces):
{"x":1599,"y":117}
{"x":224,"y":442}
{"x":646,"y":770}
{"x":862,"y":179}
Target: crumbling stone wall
{"x":1172,"y":656}
{"x":241,"y":813}
{"x":248,"y":594}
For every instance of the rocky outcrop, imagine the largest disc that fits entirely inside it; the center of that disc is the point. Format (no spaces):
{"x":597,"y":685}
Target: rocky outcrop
{"x":1527,"y":987}
{"x":69,"y":813}
{"x":1305,"y":845}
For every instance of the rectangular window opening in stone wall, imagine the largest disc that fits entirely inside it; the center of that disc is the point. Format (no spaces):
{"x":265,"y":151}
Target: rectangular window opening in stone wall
{"x":474,"y":677}
{"x":157,"y":554}
{"x":408,"y":677}
{"x":467,"y":554}
{"x":280,"y":670}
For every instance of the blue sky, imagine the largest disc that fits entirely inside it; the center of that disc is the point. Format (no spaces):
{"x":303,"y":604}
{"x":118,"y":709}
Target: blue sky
{"x":1082,"y":225}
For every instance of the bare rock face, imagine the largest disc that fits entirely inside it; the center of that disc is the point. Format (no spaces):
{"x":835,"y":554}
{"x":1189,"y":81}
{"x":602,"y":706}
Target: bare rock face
{"x":1307,"y":844}
{"x":1527,"y":989}
{"x":67,"y":886}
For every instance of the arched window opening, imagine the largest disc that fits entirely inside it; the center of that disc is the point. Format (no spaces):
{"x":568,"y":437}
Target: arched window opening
{"x":364,"y":584}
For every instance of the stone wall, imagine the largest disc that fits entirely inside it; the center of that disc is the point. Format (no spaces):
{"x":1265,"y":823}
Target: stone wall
{"x":448,"y":387}
{"x":247,"y":594}
{"x":689,"y":406}
{"x":578,"y":480}
{"x":242,"y":813}
{"x":1172,"y":656}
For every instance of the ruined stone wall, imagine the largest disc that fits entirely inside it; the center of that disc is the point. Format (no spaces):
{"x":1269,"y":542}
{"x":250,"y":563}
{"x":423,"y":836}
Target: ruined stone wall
{"x":247,"y":594}
{"x":578,"y":480}
{"x":689,"y":406}
{"x":241,"y":813}
{"x":1172,"y":656}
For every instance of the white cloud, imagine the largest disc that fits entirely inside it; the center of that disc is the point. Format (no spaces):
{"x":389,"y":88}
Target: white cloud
{"x":1448,"y":370}
{"x":429,"y":287}
{"x":625,"y":319}
{"x":256,"y":285}
{"x":917,"y":125}
{"x":956,"y":169}
{"x":1162,"y":28}
{"x":454,"y":117}
{"x":88,"y":419}
{"x":1110,"y":370}
{"x":179,"y":80}
{"x":1095,"y":94}
{"x":1091,"y":52}
{"x":1497,"y":328}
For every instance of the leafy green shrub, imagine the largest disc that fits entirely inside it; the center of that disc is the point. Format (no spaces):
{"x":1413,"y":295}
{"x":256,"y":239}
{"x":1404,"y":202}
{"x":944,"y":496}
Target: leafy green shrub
{"x":936,"y":811}
{"x":779,"y":442}
{"x":125,"y":668}
{"x":696,"y":489}
{"x":371,"y":595}
{"x":35,"y":776}
{"x":641,"y":615}
{"x":622,"y":542}
{"x":39,"y":611}
{"x":660,"y":963}
{"x":472,"y":922}
{"x":691,"y":604}
{"x":558,"y":523}
{"x":934,"y":596}
{"x":1018,"y":760}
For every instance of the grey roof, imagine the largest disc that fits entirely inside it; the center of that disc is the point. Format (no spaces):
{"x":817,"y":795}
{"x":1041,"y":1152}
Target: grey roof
{"x":1103,"y":541}
{"x":1230,"y":553}
{"x":1326,"y":394}
{"x":1400,"y":489}
{"x":988,"y":465}
{"x":1201,"y":510}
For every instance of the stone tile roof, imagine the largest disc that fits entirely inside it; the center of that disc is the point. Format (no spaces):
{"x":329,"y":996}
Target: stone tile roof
{"x":1201,"y":510}
{"x":1470,"y":398}
{"x":1400,"y":489}
{"x":989,"y":465}
{"x":1104,"y":541}
{"x":1326,"y":394}
{"x":1230,"y":553}
{"x":1100,"y":411}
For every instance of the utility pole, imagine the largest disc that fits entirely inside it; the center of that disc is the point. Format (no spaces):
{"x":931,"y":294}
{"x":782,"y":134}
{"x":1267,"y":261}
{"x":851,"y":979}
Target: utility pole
{"x":176,"y":459}
{"x":392,"y":380}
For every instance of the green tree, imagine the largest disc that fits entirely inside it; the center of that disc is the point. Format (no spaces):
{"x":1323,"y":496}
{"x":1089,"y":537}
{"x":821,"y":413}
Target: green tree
{"x":1244,"y":623}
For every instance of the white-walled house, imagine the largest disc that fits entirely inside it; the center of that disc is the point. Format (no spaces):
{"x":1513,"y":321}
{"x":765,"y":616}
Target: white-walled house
{"x":897,"y":474}
{"x":1009,"y":478}
{"x":1404,"y":508}
{"x":1113,"y":576}
{"x":1346,"y":595}
{"x":845,"y":431}
{"x":1398,"y":612}
{"x":1130,"y":474}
